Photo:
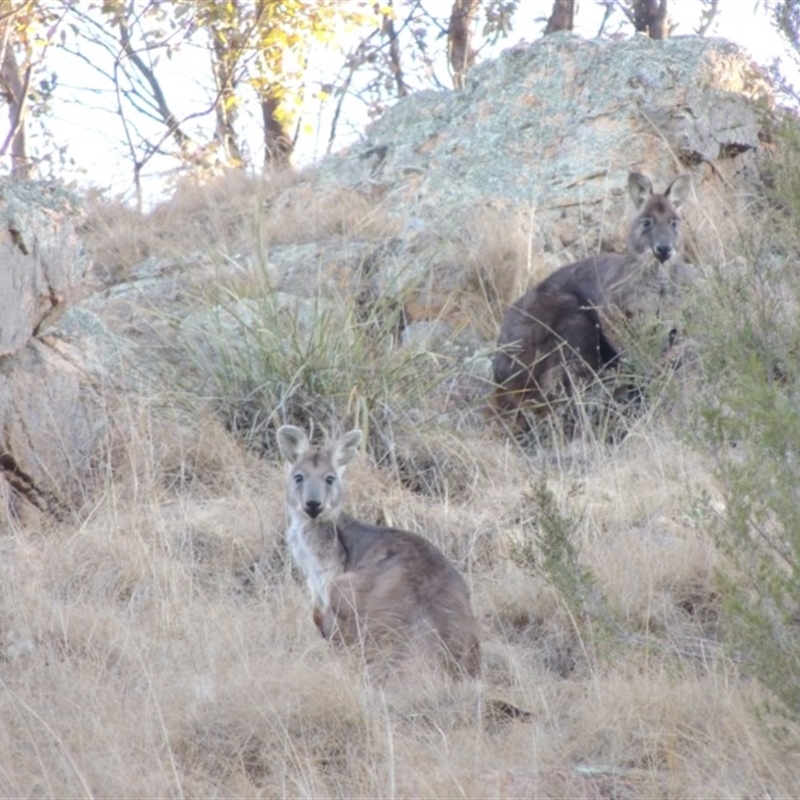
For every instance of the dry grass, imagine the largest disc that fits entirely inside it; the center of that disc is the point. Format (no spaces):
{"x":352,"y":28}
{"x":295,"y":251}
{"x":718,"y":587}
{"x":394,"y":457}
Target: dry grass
{"x":162,"y":645}
{"x":159,"y":644}
{"x":234,"y":215}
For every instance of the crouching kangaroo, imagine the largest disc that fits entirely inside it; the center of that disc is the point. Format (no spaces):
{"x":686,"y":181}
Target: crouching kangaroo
{"x":387,"y":590}
{"x":561,"y":331}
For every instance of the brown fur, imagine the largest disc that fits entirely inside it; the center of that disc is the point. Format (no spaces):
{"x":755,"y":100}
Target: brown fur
{"x":389,"y":591}
{"x":560,"y":331}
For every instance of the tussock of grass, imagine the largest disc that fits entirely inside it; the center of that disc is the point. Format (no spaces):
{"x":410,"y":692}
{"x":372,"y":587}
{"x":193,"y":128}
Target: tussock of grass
{"x":264,"y":359}
{"x":485,"y":266}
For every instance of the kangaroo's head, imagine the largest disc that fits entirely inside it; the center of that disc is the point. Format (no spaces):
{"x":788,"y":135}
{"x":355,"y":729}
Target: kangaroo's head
{"x":656,"y":228}
{"x":314,"y":474}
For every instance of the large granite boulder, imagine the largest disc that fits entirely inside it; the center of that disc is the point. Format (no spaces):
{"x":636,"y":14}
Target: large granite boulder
{"x":542,"y":140}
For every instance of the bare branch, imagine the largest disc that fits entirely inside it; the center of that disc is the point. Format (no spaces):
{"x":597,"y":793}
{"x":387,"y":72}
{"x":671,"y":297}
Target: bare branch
{"x":459,"y":39}
{"x":707,"y":17}
{"x":609,"y":10}
{"x":184,"y":141}
{"x":395,"y":65}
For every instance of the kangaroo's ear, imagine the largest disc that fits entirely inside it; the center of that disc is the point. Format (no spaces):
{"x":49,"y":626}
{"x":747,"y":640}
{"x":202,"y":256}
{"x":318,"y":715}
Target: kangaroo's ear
{"x":640,"y":189}
{"x":345,"y":448}
{"x":292,"y":442}
{"x":678,"y":190}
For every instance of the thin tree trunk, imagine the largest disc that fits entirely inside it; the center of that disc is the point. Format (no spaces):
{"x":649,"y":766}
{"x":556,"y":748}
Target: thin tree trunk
{"x":459,"y":39}
{"x":562,"y":18}
{"x":659,"y":25}
{"x":707,"y":17}
{"x":14,"y":87}
{"x":395,"y":64}
{"x":278,"y":143}
{"x":226,"y":101}
{"x":651,"y":17}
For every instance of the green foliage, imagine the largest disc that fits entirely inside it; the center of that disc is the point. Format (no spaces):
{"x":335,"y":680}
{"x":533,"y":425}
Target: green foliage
{"x":549,"y":549}
{"x":784,"y":175}
{"x":265,"y":45}
{"x":652,"y":361}
{"x":786,"y":18}
{"x":760,"y":527}
{"x":499,"y":19}
{"x":751,"y":415}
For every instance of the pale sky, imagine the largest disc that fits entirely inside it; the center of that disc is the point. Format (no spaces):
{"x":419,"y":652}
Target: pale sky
{"x":93,"y":134}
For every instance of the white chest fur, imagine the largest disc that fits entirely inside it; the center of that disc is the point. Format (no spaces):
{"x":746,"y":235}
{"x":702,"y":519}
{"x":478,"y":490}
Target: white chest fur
{"x":315,"y":549}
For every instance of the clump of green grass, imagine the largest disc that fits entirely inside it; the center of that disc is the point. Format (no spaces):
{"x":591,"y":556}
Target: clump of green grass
{"x":755,"y":429}
{"x":263,"y":358}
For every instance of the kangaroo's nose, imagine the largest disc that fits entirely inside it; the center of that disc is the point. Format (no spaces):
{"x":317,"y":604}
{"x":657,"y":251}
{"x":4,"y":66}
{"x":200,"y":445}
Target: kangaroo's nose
{"x":313,"y":508}
{"x":663,"y":252}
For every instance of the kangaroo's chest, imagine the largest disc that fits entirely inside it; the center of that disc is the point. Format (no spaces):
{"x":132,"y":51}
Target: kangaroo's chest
{"x":645,"y":294}
{"x":639,"y":289}
{"x":316,"y":551}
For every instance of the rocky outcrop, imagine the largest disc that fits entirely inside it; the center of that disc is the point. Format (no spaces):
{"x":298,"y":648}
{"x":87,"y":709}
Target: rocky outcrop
{"x":42,"y":262}
{"x":546,"y":134}
{"x":47,"y":419}
{"x":51,"y":422}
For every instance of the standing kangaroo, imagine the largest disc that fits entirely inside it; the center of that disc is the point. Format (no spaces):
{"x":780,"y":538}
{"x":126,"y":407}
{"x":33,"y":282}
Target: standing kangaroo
{"x":558,"y":332}
{"x":383,"y":588}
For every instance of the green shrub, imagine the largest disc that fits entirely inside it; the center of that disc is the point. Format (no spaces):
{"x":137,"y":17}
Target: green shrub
{"x":550,"y":550}
{"x":756,"y":430}
{"x":751,"y":419}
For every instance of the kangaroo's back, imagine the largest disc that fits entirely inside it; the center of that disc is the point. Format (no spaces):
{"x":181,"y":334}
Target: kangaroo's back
{"x":560,"y":329}
{"x":390,"y":591}
{"x":406,"y":593}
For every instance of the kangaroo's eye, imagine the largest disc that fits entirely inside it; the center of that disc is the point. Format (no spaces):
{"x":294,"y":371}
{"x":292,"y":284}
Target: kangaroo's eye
{"x":647,"y":223}
{"x":674,"y":224}
{"x":297,"y":478}
{"x":330,"y":479}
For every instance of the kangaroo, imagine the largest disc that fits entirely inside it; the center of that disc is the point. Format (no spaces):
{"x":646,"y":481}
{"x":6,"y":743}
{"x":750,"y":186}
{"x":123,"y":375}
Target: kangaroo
{"x":383,"y":588}
{"x":559,"y":332}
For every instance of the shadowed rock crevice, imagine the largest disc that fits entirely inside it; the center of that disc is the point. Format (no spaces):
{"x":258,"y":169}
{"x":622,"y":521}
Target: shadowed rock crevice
{"x":24,"y":487}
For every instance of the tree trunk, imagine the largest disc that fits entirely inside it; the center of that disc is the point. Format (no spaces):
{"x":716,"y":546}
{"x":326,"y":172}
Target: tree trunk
{"x":562,"y":17}
{"x":459,"y":39}
{"x":395,"y":65}
{"x":278,"y":144}
{"x":651,"y":17}
{"x":226,"y":99}
{"x":14,"y":89}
